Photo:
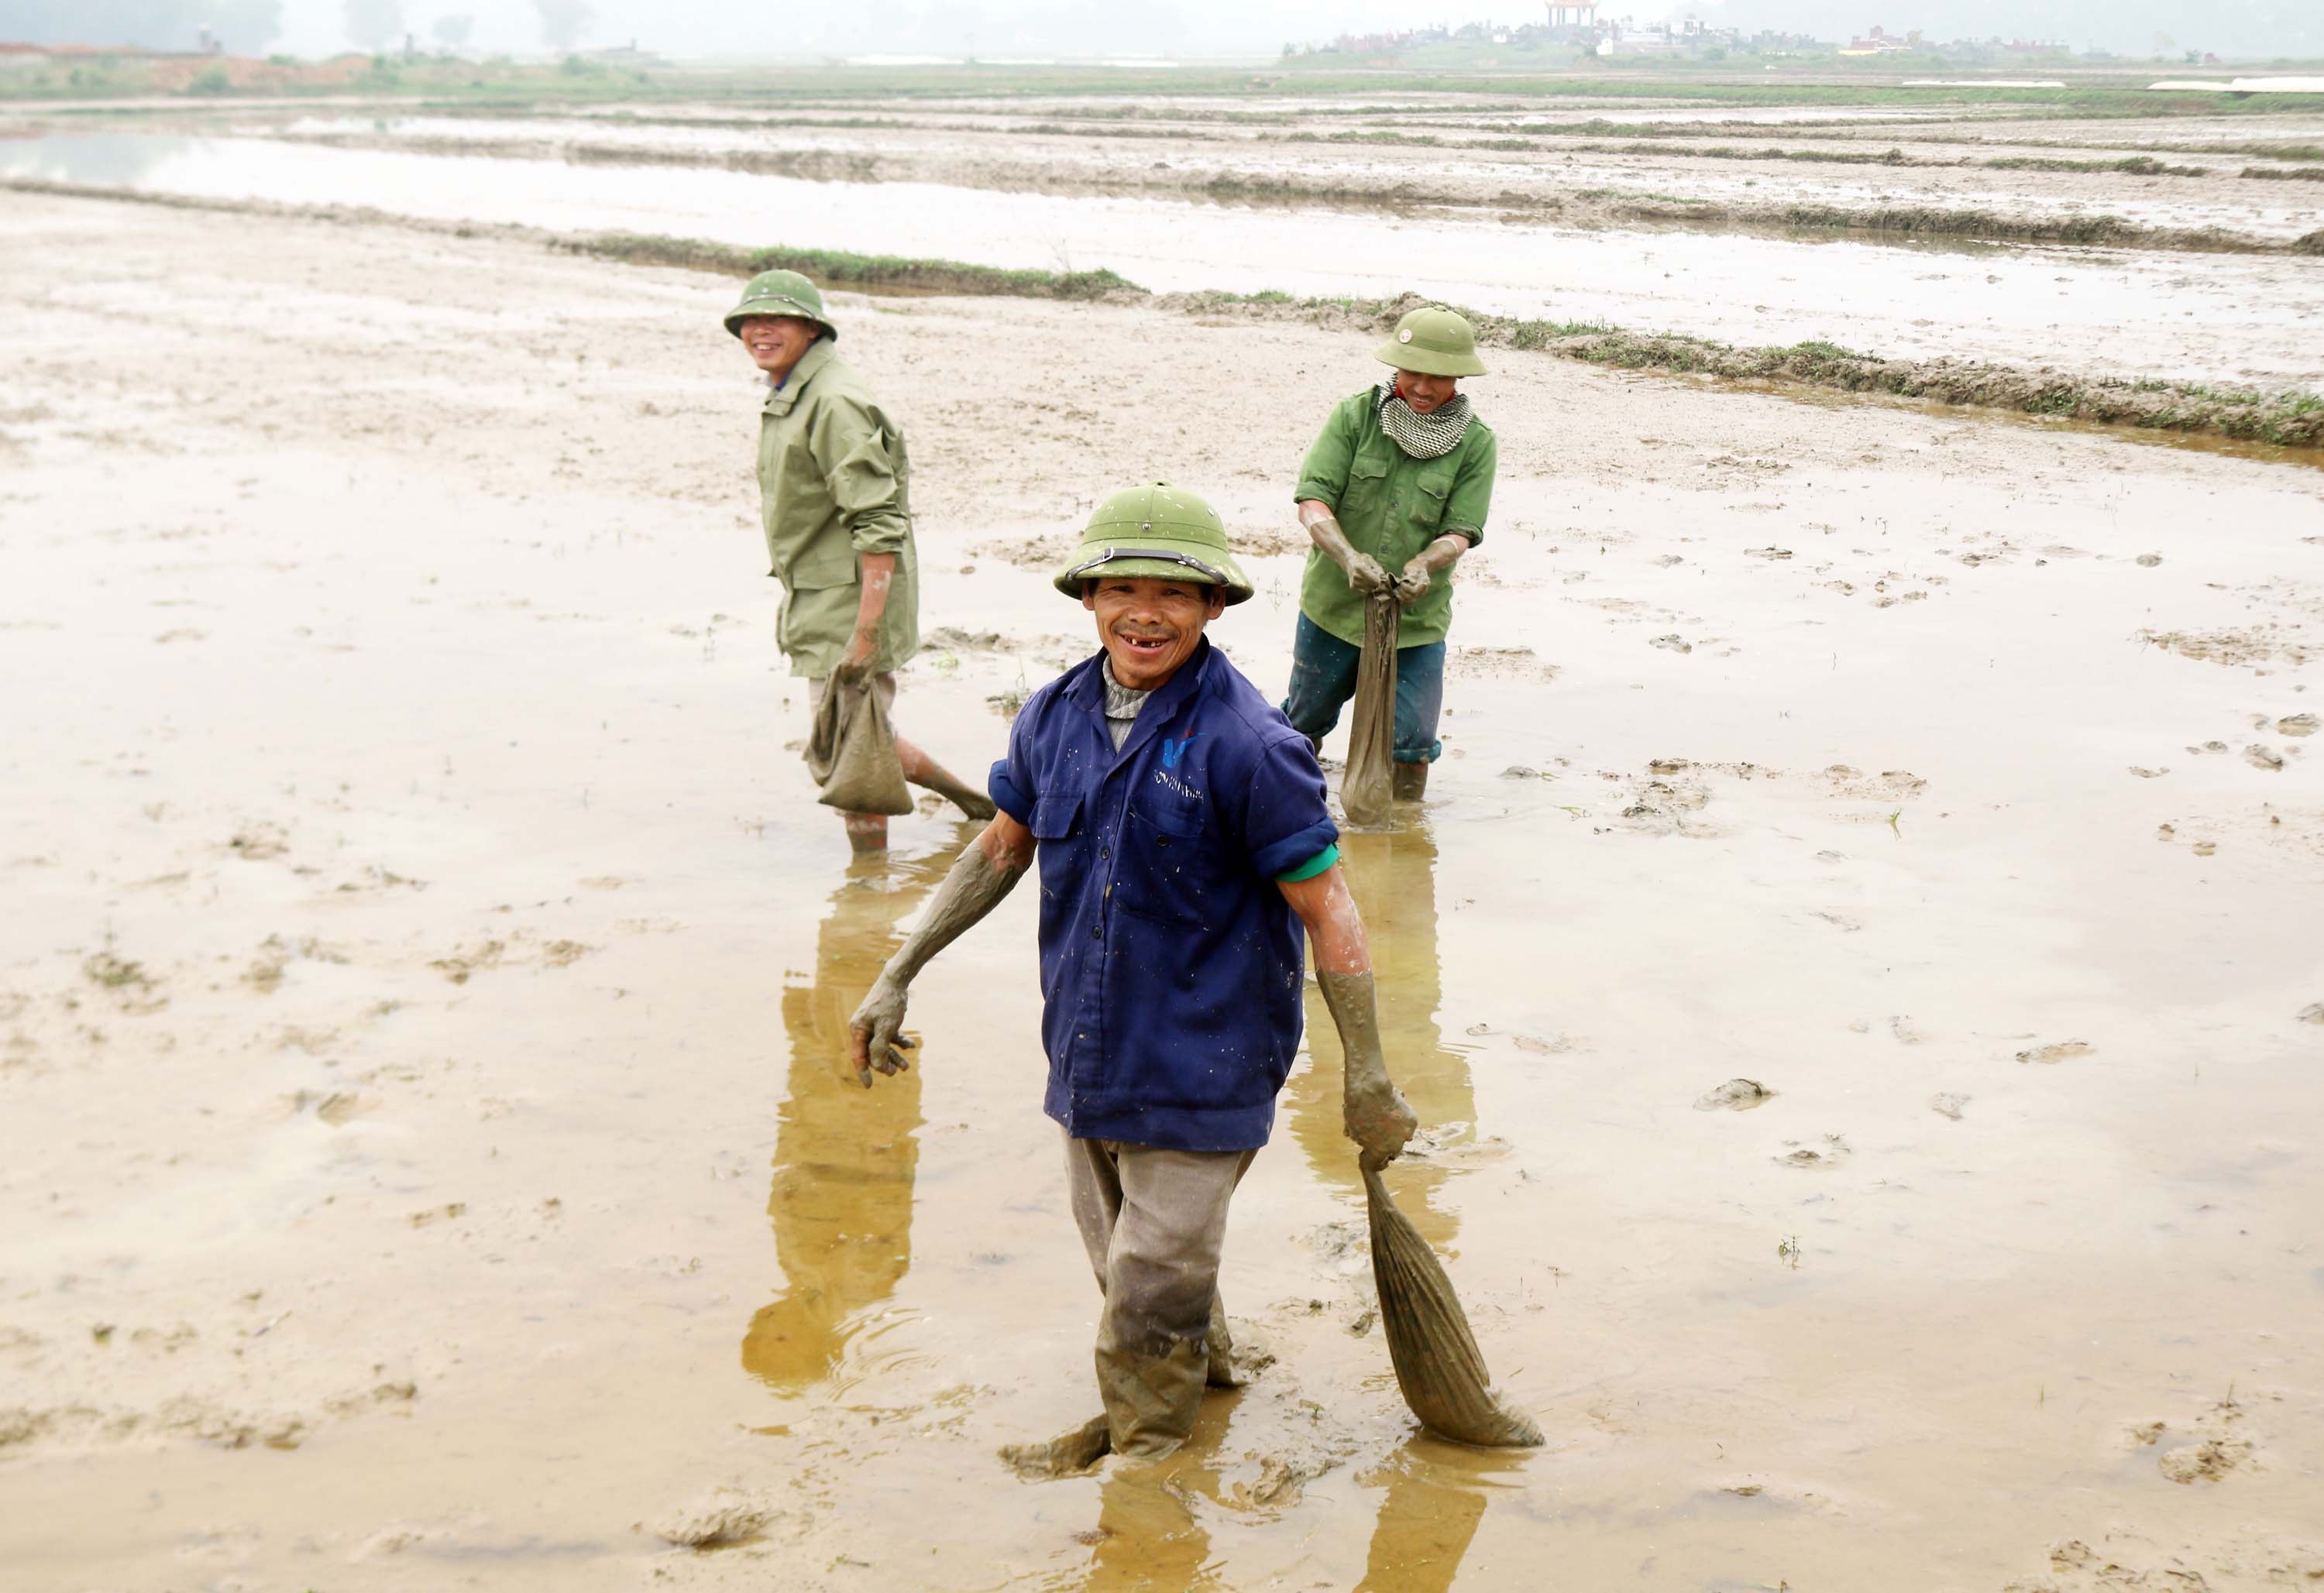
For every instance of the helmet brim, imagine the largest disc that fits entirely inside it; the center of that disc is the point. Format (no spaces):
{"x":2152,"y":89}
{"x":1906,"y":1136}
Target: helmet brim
{"x":791,"y":308}
{"x":1410,"y":356}
{"x":1160,"y":558}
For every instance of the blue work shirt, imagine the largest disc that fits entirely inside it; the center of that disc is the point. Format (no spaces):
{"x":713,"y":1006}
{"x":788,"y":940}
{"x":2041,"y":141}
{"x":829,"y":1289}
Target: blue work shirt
{"x":1171,"y":965}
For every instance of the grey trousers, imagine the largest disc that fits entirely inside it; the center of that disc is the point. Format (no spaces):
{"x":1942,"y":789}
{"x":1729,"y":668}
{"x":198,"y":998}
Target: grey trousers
{"x":1154,"y":1222}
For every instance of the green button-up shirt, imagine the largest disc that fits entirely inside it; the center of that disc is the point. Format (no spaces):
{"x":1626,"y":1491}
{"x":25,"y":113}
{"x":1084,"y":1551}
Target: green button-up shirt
{"x":833,"y":485}
{"x":1391,"y":505}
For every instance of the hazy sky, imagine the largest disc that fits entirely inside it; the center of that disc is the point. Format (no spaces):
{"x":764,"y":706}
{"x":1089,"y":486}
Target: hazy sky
{"x":1178,"y":27}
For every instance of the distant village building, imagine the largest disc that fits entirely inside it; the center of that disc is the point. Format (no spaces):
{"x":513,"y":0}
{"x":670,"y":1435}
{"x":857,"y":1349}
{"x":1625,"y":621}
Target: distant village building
{"x":1880,"y":42}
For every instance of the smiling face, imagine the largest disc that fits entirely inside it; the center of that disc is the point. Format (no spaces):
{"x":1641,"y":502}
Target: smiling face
{"x":1424,"y":392}
{"x":1149,"y":626}
{"x":775,"y":343}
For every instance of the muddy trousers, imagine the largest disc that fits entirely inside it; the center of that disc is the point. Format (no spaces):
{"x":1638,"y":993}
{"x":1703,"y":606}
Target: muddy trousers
{"x":1154,"y":1222}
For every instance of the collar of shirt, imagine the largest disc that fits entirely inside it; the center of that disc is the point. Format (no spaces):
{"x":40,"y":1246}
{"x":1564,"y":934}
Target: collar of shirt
{"x":782,"y":395}
{"x":1159,"y":706}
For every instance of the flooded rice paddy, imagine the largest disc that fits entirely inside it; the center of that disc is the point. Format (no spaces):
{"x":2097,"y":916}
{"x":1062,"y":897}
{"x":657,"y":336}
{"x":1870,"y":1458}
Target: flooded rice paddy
{"x":423,"y":1008}
{"x":2214,"y":318}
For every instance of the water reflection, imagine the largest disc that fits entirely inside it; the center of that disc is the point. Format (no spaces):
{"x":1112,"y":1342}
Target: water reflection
{"x":1393,"y":876}
{"x":105,"y":159}
{"x":1436,"y":1495}
{"x":844,"y":1158}
{"x":1148,"y":1538}
{"x":2196,"y":316}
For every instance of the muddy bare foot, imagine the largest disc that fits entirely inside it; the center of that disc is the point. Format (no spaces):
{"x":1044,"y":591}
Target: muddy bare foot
{"x":1068,"y":1454}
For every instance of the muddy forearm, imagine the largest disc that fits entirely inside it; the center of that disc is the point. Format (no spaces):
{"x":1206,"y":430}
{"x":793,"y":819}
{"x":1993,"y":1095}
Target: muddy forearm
{"x":975,"y":885}
{"x":879,"y":576}
{"x":1443,"y":553}
{"x":1356,"y":1015}
{"x":1323,"y":529}
{"x":1365,"y":572}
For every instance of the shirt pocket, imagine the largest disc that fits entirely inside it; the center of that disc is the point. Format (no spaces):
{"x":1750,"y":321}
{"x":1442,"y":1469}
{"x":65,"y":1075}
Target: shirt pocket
{"x":1366,"y":490}
{"x":1061,"y":852}
{"x":1432,"y":489}
{"x":1168,"y":870}
{"x":822,"y":567}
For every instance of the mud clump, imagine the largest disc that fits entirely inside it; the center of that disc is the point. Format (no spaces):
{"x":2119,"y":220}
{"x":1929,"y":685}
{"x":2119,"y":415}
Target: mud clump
{"x":2206,"y":1461}
{"x":720,"y":1515}
{"x":2062,"y":1051}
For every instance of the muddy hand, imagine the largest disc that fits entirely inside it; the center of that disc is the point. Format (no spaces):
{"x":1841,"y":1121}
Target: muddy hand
{"x":855,"y":664}
{"x":1413,"y":585}
{"x":875,"y":1032}
{"x":1366,"y":574}
{"x":1380,"y":1121}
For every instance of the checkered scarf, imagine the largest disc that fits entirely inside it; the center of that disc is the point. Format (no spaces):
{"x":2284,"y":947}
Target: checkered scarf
{"x":1423,"y":437}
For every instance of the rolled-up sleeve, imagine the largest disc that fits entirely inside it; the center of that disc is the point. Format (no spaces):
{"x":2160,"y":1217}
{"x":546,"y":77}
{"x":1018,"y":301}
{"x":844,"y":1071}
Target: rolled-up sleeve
{"x":860,"y":456}
{"x":1324,"y":474}
{"x":1471,"y":496}
{"x":1007,"y":784}
{"x":1286,"y":819}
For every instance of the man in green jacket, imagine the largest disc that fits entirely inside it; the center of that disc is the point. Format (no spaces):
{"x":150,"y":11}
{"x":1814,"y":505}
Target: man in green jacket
{"x":834,"y":486}
{"x":1392,"y":493}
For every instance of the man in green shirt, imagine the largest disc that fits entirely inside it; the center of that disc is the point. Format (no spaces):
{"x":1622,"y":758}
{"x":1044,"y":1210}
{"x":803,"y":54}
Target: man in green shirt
{"x":1392,"y":493}
{"x":835,"y":499}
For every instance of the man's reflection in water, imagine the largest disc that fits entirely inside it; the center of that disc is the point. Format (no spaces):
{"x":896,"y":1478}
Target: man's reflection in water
{"x":1392,"y":875}
{"x":842,"y":1200}
{"x":1427,"y":1518}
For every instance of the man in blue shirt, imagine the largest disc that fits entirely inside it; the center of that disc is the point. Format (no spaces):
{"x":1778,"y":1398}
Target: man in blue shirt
{"x":1185,"y":856}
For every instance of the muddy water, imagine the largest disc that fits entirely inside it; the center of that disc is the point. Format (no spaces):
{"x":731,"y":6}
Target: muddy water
{"x":466,"y":1175}
{"x":2217,"y":318}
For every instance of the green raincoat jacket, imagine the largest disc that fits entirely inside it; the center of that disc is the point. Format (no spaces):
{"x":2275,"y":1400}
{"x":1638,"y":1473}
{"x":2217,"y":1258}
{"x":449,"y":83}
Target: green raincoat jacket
{"x":833,"y":485}
{"x":1391,"y":505}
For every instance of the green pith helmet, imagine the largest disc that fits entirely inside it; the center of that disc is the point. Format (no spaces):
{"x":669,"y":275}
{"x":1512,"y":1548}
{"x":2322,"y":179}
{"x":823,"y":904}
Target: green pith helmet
{"x":1435,"y":342}
{"x":1163,"y":531}
{"x":782,"y":293}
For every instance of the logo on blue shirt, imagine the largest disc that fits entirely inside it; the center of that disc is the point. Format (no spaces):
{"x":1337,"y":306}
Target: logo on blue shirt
{"x":1174,"y":750}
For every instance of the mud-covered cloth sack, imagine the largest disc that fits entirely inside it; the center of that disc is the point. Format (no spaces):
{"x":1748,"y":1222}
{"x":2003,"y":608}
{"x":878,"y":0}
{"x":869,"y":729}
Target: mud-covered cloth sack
{"x":1366,"y":787}
{"x":851,"y":752}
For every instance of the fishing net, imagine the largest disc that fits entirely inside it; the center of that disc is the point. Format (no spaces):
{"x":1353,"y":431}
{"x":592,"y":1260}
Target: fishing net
{"x":1366,"y":787}
{"x":1437,"y":1363}
{"x":851,"y":752}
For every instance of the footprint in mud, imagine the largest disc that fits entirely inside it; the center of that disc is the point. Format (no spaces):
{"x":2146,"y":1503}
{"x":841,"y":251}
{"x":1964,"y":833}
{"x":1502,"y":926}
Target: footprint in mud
{"x":2062,"y":1051}
{"x":1905,"y":1030}
{"x":2266,"y":758}
{"x":1946,"y":1104}
{"x":2297,"y":724}
{"x":2207,"y":1462}
{"x":1674,"y":642}
{"x":1736,"y":1095}
{"x":2313,"y":1013}
{"x":2148,"y":774}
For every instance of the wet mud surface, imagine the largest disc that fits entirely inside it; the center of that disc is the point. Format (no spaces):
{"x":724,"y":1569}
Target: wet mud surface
{"x":434,"y":1160}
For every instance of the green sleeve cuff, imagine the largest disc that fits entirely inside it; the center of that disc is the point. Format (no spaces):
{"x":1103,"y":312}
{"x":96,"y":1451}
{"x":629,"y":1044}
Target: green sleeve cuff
{"x":1314,"y":866}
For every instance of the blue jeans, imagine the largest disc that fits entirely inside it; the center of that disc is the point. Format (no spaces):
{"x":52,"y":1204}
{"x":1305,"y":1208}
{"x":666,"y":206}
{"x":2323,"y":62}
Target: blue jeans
{"x":1324,"y":676}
